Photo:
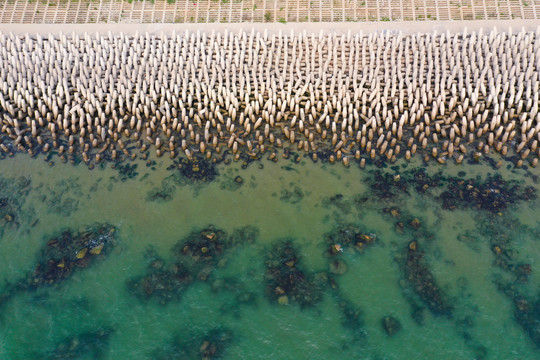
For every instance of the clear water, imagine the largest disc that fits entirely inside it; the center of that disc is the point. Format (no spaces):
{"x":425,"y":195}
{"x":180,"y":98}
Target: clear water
{"x":36,"y":323}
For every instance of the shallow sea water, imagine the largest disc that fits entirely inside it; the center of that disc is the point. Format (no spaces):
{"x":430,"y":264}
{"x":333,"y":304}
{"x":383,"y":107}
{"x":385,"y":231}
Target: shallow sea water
{"x":281,"y":200}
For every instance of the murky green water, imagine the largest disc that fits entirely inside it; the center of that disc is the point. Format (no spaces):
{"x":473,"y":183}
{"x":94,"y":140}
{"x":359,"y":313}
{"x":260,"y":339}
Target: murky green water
{"x":228,"y":305}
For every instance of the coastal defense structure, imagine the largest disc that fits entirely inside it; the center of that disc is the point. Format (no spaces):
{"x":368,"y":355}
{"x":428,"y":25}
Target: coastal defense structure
{"x":337,"y":97}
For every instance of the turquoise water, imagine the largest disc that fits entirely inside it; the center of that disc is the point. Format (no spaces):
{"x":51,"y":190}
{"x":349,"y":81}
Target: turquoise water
{"x":229,"y":306}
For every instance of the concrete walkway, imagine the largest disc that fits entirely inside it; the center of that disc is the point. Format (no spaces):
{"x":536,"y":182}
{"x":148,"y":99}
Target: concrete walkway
{"x":261,"y":11}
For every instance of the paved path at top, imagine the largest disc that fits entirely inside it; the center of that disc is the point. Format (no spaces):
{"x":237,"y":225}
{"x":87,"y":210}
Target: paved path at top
{"x":250,"y":11}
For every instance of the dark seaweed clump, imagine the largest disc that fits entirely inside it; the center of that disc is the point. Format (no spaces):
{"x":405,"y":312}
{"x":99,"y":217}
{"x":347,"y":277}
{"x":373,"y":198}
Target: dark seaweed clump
{"x":13,"y":194}
{"x":494,"y":195}
{"x":469,"y":239}
{"x":406,"y":223}
{"x":127,"y":171}
{"x":293,"y":196}
{"x":194,"y":257}
{"x":342,"y":238}
{"x":418,"y":284}
{"x":352,"y":319}
{"x":505,"y":260}
{"x":63,"y":197}
{"x":197,"y":170}
{"x":285,"y":280}
{"x":502,"y":231}
{"x":386,"y":185}
{"x":163,"y":282}
{"x":338,"y":201}
{"x":206,"y":247}
{"x":323,"y":155}
{"x":68,"y":251}
{"x":201,"y":250}
{"x":423,"y":182}
{"x":244,"y":235}
{"x":230,"y":182}
{"x":88,"y":344}
{"x":526,"y":311}
{"x":239,"y":295}
{"x":164,"y":193}
{"x":465,"y":325}
{"x":211,"y":345}
{"x":421,"y":281}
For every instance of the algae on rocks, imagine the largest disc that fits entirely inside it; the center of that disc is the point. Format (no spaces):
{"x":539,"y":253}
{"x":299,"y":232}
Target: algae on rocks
{"x":194,"y":258}
{"x":60,"y":257}
{"x":494,"y":194}
{"x":65,"y":253}
{"x":198,"y":170}
{"x":286,"y":281}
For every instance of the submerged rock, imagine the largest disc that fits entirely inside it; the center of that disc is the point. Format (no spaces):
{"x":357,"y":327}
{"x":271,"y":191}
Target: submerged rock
{"x":352,"y":319}
{"x":421,"y":281}
{"x":195,"y":257}
{"x":391,"y":325}
{"x":504,"y":232}
{"x":201,"y":248}
{"x":285,"y":278}
{"x":210,"y":345}
{"x":386,"y":185}
{"x":338,"y":267}
{"x":526,"y":310}
{"x":238,"y":297}
{"x":162,"y":284}
{"x":91,"y":344}
{"x":347,"y":236}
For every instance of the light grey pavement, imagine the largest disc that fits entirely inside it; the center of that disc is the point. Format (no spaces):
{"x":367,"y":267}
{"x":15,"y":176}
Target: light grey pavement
{"x":258,"y":11}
